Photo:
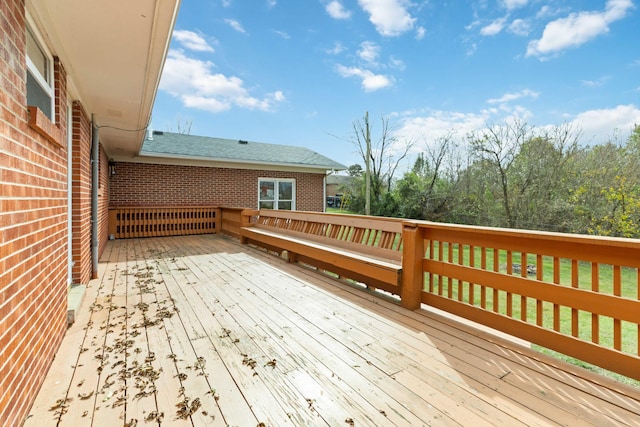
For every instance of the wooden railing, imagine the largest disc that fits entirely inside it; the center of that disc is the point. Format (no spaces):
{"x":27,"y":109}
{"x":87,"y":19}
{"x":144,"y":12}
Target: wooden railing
{"x":132,"y":222}
{"x":578,"y":295}
{"x":231,"y":221}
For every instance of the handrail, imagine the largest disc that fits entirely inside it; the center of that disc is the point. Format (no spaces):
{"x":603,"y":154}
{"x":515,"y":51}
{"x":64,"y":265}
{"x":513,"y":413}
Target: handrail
{"x":579,"y":295}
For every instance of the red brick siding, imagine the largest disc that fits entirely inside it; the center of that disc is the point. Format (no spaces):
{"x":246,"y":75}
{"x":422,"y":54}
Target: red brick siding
{"x":33,"y":226}
{"x":141,"y":184}
{"x":81,"y":195}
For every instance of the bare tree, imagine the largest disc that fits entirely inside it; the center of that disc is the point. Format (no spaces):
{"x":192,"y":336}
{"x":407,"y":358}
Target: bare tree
{"x":384,"y":154}
{"x":499,"y":145}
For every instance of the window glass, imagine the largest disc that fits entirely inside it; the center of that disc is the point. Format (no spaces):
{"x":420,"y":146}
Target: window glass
{"x":267,"y":190}
{"x":39,"y":82}
{"x":37,"y":57}
{"x":285,"y":190}
{"x":37,"y":96}
{"x":266,"y":205}
{"x":276,"y":194}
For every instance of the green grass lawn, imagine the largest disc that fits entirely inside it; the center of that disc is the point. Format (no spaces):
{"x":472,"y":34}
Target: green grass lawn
{"x":342,"y":211}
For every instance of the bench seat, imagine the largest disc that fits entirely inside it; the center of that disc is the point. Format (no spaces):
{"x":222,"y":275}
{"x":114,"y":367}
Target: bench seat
{"x":350,"y":262}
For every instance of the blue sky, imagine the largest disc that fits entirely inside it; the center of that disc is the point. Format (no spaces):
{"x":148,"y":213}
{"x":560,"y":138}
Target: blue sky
{"x":301,"y":72}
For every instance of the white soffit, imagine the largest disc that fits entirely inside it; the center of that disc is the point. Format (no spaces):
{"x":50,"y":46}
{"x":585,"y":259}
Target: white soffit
{"x":113,"y":52}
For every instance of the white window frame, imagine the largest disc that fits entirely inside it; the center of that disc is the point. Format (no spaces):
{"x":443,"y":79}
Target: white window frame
{"x":276,"y":196}
{"x":46,"y":85}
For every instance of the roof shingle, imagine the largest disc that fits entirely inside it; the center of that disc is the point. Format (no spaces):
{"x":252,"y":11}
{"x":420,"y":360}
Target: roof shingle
{"x":167,"y":144}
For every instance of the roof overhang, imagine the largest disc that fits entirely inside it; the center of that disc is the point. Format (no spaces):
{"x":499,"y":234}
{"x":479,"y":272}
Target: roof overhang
{"x":181,"y":160}
{"x":113,"y":52}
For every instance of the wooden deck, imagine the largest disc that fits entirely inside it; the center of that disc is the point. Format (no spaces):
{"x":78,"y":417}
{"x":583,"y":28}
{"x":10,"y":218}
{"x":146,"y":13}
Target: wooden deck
{"x":199,"y":330}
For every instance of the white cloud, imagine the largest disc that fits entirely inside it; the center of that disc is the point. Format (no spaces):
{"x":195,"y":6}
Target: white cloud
{"x":191,"y":40}
{"x":520,"y":27}
{"x":494,"y":28}
{"x":508,"y":97}
{"x":591,"y":83}
{"x":514,"y":4}
{"x":420,"y":33}
{"x":197,"y":86}
{"x":370,"y":81}
{"x":226,"y":3}
{"x":595,"y":126}
{"x":235,"y":25}
{"x":398,"y":64}
{"x":369,"y":52}
{"x":426,"y":127}
{"x":599,"y":125}
{"x":577,"y":29}
{"x":390,"y":17}
{"x":271,"y":3}
{"x":336,"y":10}
{"x":282,"y":34}
{"x":595,"y":83}
{"x":337,"y":49}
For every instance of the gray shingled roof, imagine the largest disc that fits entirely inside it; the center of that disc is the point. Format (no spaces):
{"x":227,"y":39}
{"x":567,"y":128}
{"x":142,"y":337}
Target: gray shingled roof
{"x":168,"y":144}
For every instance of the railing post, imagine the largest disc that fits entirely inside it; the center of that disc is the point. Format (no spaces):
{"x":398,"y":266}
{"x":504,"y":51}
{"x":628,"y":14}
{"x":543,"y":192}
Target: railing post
{"x":112,"y":222}
{"x":412,"y":273}
{"x":246,"y":221}
{"x":217,"y":228}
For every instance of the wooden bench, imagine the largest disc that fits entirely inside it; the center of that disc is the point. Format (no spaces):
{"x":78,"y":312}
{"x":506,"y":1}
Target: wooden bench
{"x":362,"y":248}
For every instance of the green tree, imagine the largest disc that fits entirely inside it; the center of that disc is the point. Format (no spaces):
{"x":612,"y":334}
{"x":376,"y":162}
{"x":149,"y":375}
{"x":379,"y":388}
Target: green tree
{"x":424,"y":191}
{"x":497,"y":146}
{"x":606,"y":200}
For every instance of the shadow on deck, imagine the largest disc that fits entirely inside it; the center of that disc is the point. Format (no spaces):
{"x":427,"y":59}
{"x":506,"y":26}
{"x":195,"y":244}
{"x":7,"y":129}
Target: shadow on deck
{"x":200,"y":330}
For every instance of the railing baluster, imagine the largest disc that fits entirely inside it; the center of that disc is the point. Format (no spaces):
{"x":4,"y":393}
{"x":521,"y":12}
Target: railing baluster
{"x":483,"y":288}
{"x":432,"y":256}
{"x":496,"y":267}
{"x":449,"y":278}
{"x":472,"y":262}
{"x":595,"y":287}
{"x":539,"y":302}
{"x":617,"y":324}
{"x":460,"y":262}
{"x":509,"y":294}
{"x":524,"y":272}
{"x":556,"y":307}
{"x":574,"y":312}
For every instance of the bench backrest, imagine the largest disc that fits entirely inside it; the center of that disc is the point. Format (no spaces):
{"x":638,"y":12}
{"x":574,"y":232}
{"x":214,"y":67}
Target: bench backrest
{"x":376,"y":236}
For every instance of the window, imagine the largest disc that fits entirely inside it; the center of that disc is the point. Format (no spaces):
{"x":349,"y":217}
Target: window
{"x":39,"y":76}
{"x":276,"y":194}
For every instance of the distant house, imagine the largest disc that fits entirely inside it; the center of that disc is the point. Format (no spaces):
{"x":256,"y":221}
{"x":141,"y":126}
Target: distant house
{"x":338,"y":184}
{"x":174,"y":169}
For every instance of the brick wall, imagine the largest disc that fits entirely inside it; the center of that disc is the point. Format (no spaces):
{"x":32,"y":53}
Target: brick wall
{"x":81,"y":195}
{"x":33,"y":227}
{"x":141,"y":184}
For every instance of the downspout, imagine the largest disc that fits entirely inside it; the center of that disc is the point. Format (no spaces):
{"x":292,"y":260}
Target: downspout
{"x":95,"y":158}
{"x":324,"y":192}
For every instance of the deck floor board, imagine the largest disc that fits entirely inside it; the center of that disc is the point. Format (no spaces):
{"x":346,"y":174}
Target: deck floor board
{"x":253,"y":341}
